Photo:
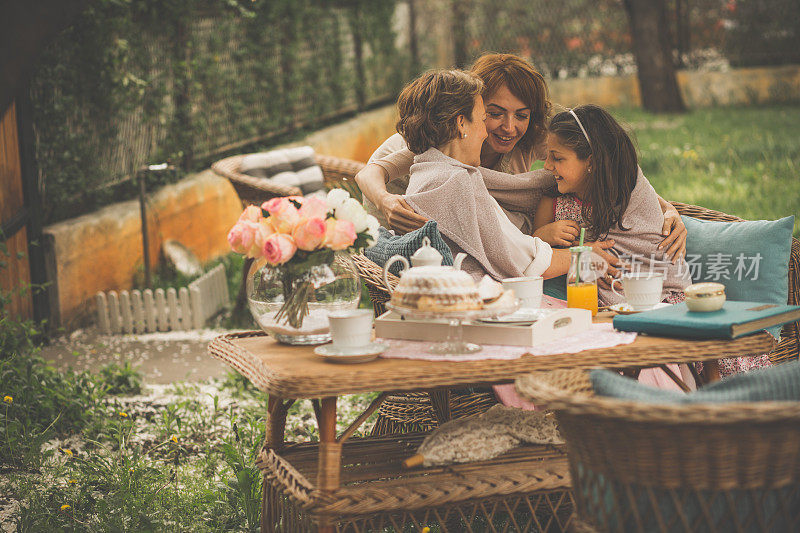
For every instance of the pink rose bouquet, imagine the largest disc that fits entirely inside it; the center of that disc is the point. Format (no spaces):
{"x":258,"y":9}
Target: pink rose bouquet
{"x":299,"y":233}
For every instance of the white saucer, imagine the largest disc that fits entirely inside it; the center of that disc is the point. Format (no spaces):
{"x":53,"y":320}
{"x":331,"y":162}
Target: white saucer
{"x":524,"y":316}
{"x":361,"y":354}
{"x":625,"y":308}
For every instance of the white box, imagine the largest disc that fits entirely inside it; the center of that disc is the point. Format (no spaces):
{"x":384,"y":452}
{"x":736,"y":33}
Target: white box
{"x":561,"y":323}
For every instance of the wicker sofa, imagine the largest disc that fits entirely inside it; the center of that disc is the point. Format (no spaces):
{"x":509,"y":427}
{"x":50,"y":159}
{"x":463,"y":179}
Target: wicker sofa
{"x":649,"y":467}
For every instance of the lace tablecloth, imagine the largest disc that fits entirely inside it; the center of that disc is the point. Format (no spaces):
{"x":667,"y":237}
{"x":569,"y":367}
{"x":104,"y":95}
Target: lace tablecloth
{"x":598,"y":336}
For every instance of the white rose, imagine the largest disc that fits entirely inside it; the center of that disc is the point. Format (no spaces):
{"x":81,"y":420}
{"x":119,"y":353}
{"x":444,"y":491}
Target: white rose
{"x":351,"y":210}
{"x":336,"y":197}
{"x":373,"y":236}
{"x":373,"y":224}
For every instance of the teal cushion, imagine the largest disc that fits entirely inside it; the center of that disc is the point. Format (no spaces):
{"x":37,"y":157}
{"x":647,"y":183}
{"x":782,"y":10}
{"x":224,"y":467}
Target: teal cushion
{"x":556,"y":287}
{"x":388,"y":245}
{"x":750,"y":258}
{"x":780,"y":383}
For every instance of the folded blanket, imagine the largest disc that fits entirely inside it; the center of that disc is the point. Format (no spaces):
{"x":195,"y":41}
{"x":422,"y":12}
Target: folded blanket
{"x":456,"y":195}
{"x":638,"y":244}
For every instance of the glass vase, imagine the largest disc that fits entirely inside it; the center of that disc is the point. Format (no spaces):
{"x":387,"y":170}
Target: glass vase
{"x":291,"y":302}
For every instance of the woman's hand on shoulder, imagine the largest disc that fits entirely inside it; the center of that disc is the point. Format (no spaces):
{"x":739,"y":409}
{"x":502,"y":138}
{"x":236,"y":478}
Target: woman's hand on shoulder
{"x":674,"y":244}
{"x":399,"y":215}
{"x":559,"y":233}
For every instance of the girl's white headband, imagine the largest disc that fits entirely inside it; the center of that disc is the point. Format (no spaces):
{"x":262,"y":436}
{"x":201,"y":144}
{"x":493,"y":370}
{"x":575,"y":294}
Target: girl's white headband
{"x":571,"y":112}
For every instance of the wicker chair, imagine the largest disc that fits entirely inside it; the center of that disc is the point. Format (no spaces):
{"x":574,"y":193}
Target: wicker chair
{"x":337,"y":171}
{"x":650,"y":467}
{"x":416,"y":411}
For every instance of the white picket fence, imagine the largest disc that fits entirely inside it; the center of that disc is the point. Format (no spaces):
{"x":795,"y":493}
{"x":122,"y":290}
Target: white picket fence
{"x":150,"y":311}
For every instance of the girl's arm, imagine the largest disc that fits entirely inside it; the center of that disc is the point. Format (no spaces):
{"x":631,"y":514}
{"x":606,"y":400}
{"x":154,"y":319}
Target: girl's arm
{"x":544,"y":213}
{"x":560,"y":233}
{"x":559,"y":263}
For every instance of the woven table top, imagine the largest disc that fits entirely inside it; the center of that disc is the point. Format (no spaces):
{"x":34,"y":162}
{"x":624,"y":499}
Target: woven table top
{"x":296,"y":372}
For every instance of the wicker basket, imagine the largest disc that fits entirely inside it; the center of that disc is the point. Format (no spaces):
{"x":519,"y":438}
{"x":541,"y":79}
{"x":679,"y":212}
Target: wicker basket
{"x":337,"y":171}
{"x":525,"y":489}
{"x":652,"y":467}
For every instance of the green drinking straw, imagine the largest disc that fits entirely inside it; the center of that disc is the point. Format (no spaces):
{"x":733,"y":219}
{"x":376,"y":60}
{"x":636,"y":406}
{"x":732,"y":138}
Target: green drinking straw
{"x":578,"y":266}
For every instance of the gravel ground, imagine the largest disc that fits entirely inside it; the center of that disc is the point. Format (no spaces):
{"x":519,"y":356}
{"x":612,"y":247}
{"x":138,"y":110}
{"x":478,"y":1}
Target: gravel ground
{"x":162,"y":358}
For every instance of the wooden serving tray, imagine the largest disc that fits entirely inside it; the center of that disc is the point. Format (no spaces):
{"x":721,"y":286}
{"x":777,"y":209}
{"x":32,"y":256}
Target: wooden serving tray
{"x":555,"y":325}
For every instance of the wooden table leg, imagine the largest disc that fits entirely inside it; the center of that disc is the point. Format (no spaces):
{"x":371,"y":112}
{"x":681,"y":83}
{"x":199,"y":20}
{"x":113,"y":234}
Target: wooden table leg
{"x":274,"y":439}
{"x":711,"y":371}
{"x":330,"y":452}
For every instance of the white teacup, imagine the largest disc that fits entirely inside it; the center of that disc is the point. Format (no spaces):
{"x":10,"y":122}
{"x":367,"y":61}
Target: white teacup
{"x":351,"y":328}
{"x":642,"y":289}
{"x":528,"y":289}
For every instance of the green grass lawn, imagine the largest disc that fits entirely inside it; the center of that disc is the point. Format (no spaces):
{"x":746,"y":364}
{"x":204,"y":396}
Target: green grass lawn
{"x":744,"y":161}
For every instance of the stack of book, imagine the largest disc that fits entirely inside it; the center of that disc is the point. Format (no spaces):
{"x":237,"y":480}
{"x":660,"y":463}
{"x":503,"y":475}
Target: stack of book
{"x":735,"y":319}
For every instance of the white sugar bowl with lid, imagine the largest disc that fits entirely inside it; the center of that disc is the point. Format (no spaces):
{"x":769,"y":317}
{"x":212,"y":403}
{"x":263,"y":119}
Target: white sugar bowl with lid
{"x":705,"y":297}
{"x":425,"y":256}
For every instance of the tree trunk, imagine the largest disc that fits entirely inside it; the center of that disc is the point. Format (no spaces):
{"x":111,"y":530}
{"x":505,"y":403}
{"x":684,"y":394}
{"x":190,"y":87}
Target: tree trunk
{"x":459,"y":28}
{"x":652,"y":48}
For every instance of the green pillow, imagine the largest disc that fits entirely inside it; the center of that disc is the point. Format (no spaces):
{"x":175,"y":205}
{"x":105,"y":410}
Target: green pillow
{"x":750,"y":258}
{"x":389,"y":244}
{"x":556,"y":287}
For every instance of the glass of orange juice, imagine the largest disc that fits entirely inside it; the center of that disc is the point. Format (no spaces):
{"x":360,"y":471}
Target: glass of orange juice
{"x":581,"y":281}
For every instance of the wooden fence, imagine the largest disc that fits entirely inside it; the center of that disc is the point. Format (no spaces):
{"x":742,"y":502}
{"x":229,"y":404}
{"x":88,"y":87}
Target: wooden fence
{"x":14,"y":267}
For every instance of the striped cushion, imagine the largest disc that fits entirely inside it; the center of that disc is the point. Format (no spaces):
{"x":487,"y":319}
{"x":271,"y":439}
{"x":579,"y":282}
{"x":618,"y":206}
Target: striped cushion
{"x":294,"y":167}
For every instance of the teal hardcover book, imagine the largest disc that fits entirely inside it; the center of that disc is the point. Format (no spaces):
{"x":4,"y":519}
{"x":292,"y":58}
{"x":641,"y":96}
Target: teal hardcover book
{"x":733,"y":320}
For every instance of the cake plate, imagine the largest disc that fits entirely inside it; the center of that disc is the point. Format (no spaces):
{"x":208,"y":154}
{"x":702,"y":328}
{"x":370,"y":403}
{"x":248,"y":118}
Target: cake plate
{"x":454,"y":344}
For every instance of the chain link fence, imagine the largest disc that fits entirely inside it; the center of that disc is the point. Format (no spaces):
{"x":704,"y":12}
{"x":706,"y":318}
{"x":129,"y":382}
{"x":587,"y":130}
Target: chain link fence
{"x":126,"y":86}
{"x":572,"y":38}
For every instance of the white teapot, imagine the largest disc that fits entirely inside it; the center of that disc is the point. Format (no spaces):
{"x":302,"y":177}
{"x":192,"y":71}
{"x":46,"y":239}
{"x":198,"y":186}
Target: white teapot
{"x":425,"y":256}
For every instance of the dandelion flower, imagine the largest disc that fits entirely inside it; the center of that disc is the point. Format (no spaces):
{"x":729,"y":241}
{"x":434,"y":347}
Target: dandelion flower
{"x":66,"y":451}
{"x":123,"y":414}
{"x":174,"y":439}
{"x":66,"y":507}
{"x":426,"y":530}
{"x":73,"y":481}
{"x":8,"y":399}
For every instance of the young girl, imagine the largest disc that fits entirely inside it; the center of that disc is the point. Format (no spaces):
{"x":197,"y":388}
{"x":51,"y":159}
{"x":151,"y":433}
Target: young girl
{"x":603,"y":190}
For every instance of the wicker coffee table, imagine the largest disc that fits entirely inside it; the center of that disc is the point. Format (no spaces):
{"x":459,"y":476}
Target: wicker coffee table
{"x":359,"y":485}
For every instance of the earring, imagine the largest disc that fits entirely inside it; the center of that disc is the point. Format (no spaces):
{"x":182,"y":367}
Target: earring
{"x":589,"y":169}
{"x":464,"y":136}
